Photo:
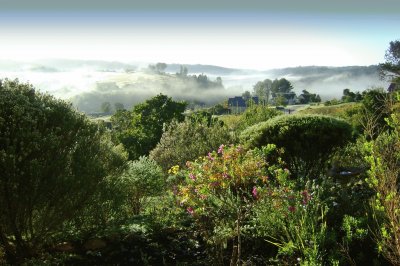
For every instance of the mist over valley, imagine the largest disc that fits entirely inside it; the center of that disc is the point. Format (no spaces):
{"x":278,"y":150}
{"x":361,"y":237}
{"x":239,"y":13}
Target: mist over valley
{"x":87,"y":84}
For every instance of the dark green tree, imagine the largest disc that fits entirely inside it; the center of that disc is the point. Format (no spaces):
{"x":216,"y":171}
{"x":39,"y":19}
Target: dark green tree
{"x":307,"y":97}
{"x":308,"y":140}
{"x":246,"y":95}
{"x":391,"y":68}
{"x":282,"y":87}
{"x":140,"y":130}
{"x":52,"y":162}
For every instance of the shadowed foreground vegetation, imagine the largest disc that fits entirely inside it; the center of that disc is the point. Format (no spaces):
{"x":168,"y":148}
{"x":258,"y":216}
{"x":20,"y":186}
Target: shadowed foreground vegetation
{"x":164,"y":188}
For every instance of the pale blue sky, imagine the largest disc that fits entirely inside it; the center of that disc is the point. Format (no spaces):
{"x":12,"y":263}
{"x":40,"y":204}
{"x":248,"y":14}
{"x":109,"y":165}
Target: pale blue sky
{"x":241,"y":34}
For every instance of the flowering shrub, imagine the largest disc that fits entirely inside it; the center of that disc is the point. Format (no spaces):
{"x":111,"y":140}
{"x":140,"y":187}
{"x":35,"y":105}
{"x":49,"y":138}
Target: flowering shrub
{"x":294,"y":221}
{"x":221,"y":189}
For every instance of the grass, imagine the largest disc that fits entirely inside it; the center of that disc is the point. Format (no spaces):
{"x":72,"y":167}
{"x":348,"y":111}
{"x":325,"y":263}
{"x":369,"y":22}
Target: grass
{"x":339,"y":110}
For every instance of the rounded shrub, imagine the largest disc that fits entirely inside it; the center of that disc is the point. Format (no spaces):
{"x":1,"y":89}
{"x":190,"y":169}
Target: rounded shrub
{"x":308,"y":140}
{"x":52,"y":162}
{"x":143,"y":178}
{"x":186,"y":141}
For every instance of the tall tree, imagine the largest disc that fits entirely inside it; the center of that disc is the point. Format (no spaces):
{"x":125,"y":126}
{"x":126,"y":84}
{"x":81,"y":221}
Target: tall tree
{"x":391,"y":68}
{"x":246,"y":95}
{"x":52,"y":162}
{"x":160,"y":67}
{"x":141,"y":129}
{"x":282,"y":87}
{"x":262,"y":90}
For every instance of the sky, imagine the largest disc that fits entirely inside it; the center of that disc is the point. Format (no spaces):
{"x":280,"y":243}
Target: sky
{"x":252,"y":34}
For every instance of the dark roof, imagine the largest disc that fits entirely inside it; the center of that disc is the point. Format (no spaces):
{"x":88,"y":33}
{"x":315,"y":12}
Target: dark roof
{"x":392,"y":87}
{"x":238,"y":101}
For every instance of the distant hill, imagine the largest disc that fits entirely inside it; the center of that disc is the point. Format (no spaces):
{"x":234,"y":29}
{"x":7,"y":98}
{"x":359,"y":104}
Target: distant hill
{"x":88,"y":83}
{"x":207,"y":69}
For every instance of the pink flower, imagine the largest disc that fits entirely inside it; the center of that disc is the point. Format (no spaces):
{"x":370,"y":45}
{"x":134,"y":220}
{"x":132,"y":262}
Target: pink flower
{"x":292,"y":208}
{"x":225,"y":175}
{"x":221,"y":149}
{"x":210,"y":156}
{"x":190,"y":210}
{"x":254,"y":192}
{"x":192,"y":176}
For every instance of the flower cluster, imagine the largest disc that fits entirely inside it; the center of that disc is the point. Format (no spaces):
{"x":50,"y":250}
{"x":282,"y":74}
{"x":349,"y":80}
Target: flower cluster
{"x":231,"y":170}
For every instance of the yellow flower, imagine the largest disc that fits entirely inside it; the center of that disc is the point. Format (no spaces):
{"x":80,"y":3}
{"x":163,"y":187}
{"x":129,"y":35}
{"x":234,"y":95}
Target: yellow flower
{"x":173,"y":170}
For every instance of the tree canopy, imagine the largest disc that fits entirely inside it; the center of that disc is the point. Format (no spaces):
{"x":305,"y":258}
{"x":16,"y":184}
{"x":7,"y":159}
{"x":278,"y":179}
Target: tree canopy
{"x":391,"y":67}
{"x":52,"y":160}
{"x":140,"y":130}
{"x":282,"y":87}
{"x":262,"y":90}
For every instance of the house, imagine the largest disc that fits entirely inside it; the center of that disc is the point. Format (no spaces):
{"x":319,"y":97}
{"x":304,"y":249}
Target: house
{"x":392,"y":87}
{"x":238,"y":104}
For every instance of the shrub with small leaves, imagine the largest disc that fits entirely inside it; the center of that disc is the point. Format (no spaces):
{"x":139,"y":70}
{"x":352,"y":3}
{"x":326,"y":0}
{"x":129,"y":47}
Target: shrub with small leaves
{"x":186,"y":141}
{"x":308,"y":140}
{"x":222,"y":188}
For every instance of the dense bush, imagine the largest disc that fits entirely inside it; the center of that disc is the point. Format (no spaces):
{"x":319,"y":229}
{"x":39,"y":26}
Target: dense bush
{"x":256,"y":114}
{"x":187,"y":141}
{"x":52,"y":161}
{"x":308,"y":140}
{"x":142,"y":178}
{"x":383,"y":154}
{"x":376,"y":108}
{"x":140,"y":130}
{"x":220,"y":191}
{"x":294,"y":221}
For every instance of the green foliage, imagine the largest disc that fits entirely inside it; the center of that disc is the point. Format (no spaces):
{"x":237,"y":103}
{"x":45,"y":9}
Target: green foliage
{"x":140,"y":130}
{"x":52,"y":161}
{"x":282,"y":89}
{"x":246,"y":95}
{"x":219,"y":109}
{"x":142,"y":178}
{"x":351,"y":112}
{"x":222,"y":188}
{"x":307,"y":97}
{"x":376,"y":109}
{"x":332,"y":102}
{"x":308,"y":140}
{"x":294,"y":221}
{"x":383,"y":154}
{"x":262,"y":90}
{"x":202,"y":116}
{"x":349,"y":96}
{"x":186,"y":141}
{"x":391,"y":68}
{"x":256,"y":114}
